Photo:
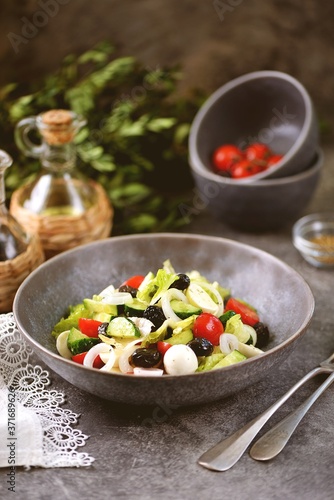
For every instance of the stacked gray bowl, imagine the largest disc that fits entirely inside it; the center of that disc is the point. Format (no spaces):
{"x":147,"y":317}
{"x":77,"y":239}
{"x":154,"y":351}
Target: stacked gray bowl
{"x":269,"y":107}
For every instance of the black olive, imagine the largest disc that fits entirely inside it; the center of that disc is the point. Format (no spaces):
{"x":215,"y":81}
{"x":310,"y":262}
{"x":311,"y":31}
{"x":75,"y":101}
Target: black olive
{"x":154,"y":314}
{"x":128,"y":289}
{"x":102,"y":329}
{"x":182,"y":282}
{"x":226,"y":316}
{"x":262,"y":333}
{"x":145,"y":357}
{"x":201,"y":346}
{"x":169,"y":332}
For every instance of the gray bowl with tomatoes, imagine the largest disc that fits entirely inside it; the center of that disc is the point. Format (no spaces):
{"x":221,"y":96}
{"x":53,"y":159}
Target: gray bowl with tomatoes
{"x":267,"y":122}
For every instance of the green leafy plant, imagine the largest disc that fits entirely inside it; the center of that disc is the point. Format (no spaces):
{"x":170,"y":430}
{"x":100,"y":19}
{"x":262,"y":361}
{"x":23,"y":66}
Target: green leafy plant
{"x":135,"y":141}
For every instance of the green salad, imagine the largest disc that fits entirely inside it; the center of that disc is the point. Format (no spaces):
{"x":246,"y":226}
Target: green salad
{"x":161,"y":323}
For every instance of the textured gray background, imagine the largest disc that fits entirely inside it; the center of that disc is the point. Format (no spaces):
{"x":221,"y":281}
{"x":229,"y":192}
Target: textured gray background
{"x":212,"y":40}
{"x":132,"y":460}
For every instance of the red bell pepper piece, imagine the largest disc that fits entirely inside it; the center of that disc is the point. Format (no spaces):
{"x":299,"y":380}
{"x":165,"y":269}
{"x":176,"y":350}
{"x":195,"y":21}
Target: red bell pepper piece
{"x":89,"y":326}
{"x":248,"y":315}
{"x":134,"y":281}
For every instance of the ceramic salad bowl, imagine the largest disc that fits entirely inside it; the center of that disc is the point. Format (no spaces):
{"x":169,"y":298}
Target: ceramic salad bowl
{"x":252,"y":274}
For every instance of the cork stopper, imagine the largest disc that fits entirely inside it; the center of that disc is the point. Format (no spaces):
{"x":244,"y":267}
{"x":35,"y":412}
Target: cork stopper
{"x":57,"y":126}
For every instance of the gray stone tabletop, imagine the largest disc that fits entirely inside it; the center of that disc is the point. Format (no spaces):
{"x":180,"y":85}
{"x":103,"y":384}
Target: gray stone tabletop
{"x":151,"y":453}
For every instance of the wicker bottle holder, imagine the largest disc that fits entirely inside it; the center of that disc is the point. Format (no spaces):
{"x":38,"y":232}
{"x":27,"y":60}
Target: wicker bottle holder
{"x":14,"y":271}
{"x":62,"y":232}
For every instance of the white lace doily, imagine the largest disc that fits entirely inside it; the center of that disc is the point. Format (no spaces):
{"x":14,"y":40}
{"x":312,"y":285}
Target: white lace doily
{"x":36,"y":430}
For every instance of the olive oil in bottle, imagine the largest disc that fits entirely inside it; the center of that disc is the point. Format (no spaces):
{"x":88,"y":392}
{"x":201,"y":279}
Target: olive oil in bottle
{"x":58,"y":189}
{"x":61,"y":205}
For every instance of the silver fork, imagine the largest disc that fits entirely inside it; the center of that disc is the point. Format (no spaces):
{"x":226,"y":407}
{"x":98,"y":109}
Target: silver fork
{"x":273,"y":442}
{"x":227,"y":452}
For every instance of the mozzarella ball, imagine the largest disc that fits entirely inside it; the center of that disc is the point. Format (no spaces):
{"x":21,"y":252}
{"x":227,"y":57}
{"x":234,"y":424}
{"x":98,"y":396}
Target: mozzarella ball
{"x":180,"y":360}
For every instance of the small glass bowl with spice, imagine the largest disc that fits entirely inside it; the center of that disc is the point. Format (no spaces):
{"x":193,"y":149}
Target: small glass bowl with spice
{"x":313,"y":236}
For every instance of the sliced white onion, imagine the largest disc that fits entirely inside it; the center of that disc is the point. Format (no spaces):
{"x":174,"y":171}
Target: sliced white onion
{"x":118,"y":298}
{"x":117,"y":352}
{"x":61,"y":345}
{"x":228,"y":343}
{"x":144,"y":325}
{"x":123,"y":361}
{"x":252,"y":333}
{"x":95,"y":351}
{"x":214,"y":291}
{"x":107,"y":291}
{"x":172,"y":293}
{"x":148,"y":372}
{"x":249,"y":350}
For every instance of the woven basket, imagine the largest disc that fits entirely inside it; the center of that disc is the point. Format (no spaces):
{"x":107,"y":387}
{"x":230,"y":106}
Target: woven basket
{"x":62,"y":232}
{"x":13,"y":272}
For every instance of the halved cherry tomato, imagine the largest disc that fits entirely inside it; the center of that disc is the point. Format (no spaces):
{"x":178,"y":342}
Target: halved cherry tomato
{"x":248,"y":315}
{"x":208,"y":326}
{"x":89,"y":326}
{"x":134,"y":281}
{"x":258,"y":151}
{"x":163,"y":347}
{"x":79,"y":358}
{"x":274,"y":159}
{"x":226,"y":156}
{"x":245,"y":168}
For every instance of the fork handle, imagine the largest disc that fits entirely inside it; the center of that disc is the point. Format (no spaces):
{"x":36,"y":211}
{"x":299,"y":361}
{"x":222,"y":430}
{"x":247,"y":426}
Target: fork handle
{"x":273,"y":442}
{"x":227,"y":452}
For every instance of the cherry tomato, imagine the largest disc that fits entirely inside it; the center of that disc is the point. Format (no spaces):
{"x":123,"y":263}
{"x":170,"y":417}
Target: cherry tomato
{"x":79,"y":358}
{"x":163,"y":347}
{"x":89,"y":326}
{"x":274,"y":159}
{"x":258,"y":151}
{"x":208,"y":327}
{"x":248,"y":315}
{"x":245,"y":168}
{"x":226,"y":156}
{"x":134,"y":281}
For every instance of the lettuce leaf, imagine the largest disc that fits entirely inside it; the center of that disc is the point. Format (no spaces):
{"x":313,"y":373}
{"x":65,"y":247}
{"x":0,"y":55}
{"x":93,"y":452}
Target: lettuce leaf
{"x":66,"y":323}
{"x":184,"y":324}
{"x":167,"y":266}
{"x":159,"y":334}
{"x":235,"y":325}
{"x":155,"y":287}
{"x":209,"y":362}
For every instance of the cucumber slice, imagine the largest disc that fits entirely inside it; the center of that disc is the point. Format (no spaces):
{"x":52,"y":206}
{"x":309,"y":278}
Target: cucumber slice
{"x":97,"y":306}
{"x":103,"y":317}
{"x":136,"y":308}
{"x":184,"y":310}
{"x":121,"y":327}
{"x":232,"y":358}
{"x":78,"y":342}
{"x":226,"y":316}
{"x":181,"y":338}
